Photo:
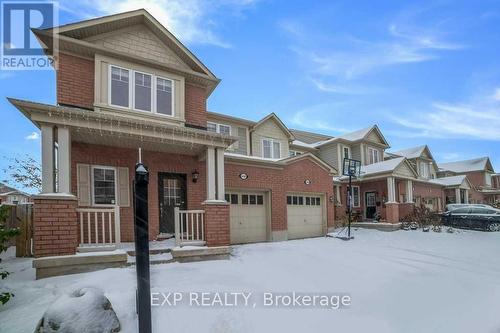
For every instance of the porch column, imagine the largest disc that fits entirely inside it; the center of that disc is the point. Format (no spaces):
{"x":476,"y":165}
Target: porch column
{"x":47,"y":159}
{"x":457,"y":196}
{"x":409,"y":191}
{"x":466,"y":199}
{"x":210,"y":173}
{"x":64,"y":160}
{"x":391,"y":190}
{"x":221,"y":191}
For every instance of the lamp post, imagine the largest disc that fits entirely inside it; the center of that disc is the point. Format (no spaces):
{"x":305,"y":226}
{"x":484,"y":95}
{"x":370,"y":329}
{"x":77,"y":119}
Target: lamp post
{"x":143,"y":301}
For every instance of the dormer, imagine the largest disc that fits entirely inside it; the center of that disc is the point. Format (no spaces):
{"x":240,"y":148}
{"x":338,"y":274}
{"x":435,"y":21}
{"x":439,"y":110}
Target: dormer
{"x":421,"y":159}
{"x":132,"y":65}
{"x":270,"y":138}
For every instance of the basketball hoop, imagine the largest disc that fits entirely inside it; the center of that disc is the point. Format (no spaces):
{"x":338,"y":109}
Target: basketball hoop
{"x":351,"y":168}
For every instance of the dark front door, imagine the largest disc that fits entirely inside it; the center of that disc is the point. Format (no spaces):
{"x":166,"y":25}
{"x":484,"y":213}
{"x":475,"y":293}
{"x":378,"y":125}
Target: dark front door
{"x":371,"y":205}
{"x":172,"y":193}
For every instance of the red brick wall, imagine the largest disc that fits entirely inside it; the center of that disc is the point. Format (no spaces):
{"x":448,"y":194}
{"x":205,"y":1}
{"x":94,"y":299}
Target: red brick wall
{"x":75,"y":81}
{"x":279,"y":182}
{"x":54,"y":227}
{"x":196,"y":106}
{"x":476,"y":178}
{"x":217,"y":224}
{"x":156,"y":162}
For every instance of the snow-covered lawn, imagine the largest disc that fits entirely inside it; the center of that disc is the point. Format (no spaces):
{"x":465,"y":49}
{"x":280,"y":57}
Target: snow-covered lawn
{"x":404,"y":281}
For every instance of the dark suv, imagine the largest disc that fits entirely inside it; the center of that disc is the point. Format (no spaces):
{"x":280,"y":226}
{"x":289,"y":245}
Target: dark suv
{"x":473,"y":217}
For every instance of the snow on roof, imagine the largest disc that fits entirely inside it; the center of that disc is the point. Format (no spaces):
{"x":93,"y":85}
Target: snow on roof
{"x":356,"y":135}
{"x":476,"y":164}
{"x":449,"y":181}
{"x":384,"y":166}
{"x":303,"y":144}
{"x":412,"y":152}
{"x":255,"y":158}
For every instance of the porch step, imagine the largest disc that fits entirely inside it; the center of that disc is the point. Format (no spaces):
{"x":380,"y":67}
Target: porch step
{"x":151,"y":252}
{"x":164,"y":236}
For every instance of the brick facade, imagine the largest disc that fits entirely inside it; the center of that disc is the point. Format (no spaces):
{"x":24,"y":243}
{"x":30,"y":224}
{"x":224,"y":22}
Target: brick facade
{"x":75,"y":81}
{"x":196,"y":106}
{"x":156,"y":162}
{"x":279,"y":182}
{"x":217,"y":224}
{"x":55,"y":230}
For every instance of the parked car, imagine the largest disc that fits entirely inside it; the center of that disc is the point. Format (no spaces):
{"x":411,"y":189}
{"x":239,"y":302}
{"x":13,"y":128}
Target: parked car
{"x":455,"y":206}
{"x":473,"y":217}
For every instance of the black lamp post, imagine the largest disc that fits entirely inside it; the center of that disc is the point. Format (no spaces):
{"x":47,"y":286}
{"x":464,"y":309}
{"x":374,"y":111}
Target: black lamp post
{"x":143,"y":301}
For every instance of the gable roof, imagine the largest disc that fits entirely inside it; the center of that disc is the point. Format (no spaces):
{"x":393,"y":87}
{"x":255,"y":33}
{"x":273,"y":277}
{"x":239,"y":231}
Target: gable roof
{"x":476,"y":164}
{"x":451,"y":181}
{"x":312,"y":157}
{"x":4,"y":188}
{"x":309,"y":137}
{"x":414,"y":152}
{"x":274,"y":117}
{"x":356,"y":136}
{"x":382,"y":167}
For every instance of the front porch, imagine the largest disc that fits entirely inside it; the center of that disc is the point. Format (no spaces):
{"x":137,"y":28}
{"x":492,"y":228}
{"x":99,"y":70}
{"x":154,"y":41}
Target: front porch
{"x":88,"y":160}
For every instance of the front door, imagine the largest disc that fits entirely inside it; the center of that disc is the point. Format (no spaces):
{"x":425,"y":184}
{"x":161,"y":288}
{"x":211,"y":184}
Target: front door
{"x":172,"y":193}
{"x":371,"y":205}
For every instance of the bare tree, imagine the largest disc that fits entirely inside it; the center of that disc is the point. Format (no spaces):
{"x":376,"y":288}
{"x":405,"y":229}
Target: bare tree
{"x":25,"y":171}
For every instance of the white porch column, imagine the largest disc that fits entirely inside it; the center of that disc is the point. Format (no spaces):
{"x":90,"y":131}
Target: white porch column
{"x":47,"y":159}
{"x":64,"y":160}
{"x":221,"y":191}
{"x":409,"y":191}
{"x":210,"y":173}
{"x":391,"y":190}
{"x":466,"y":196}
{"x":457,"y":196}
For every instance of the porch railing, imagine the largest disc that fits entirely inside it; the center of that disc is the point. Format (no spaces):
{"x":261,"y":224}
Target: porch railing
{"x":189,"y":227}
{"x":99,"y":228}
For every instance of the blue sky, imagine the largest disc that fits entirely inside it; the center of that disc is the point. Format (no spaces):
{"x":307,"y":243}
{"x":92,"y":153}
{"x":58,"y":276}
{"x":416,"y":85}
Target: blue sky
{"x":425,"y":72}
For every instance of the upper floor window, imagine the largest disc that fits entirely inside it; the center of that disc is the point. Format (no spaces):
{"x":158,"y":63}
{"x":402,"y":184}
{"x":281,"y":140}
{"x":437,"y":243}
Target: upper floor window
{"x":295,"y":153}
{"x":373,"y":155}
{"x":425,"y":170}
{"x":146,"y":92}
{"x":219,"y":128}
{"x":346,"y":152}
{"x":271,"y":148}
{"x":488,"y":179}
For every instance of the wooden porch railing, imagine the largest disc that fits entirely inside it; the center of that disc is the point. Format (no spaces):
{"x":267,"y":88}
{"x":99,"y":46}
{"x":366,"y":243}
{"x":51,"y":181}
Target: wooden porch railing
{"x":189,"y":227}
{"x":99,"y":228}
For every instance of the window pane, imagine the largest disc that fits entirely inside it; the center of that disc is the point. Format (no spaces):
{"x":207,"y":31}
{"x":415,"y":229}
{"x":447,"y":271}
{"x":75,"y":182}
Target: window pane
{"x":266,"y":149}
{"x":143,"y":92}
{"x":227,"y":198}
{"x":244,"y":199}
{"x":308,"y":201}
{"x":104,"y":186}
{"x":318,"y":201}
{"x":276,"y":150}
{"x":288,"y":200}
{"x":234,"y":199}
{"x":211,"y":127}
{"x":119,"y":86}
{"x":260,"y":200}
{"x":164,"y":97}
{"x":253,"y":200}
{"x":224,"y":129}
{"x":294,"y":200}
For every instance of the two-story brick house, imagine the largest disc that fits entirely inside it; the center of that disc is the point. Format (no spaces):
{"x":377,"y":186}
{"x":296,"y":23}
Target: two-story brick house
{"x":124,"y":82}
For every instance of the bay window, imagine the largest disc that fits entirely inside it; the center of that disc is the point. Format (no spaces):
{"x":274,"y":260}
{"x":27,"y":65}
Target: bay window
{"x":144,"y":92}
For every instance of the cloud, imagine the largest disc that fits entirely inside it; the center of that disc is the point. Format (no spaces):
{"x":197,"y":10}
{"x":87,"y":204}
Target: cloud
{"x":496,"y":95}
{"x":189,"y":20}
{"x":320,"y":117}
{"x":33,"y":136}
{"x":477,"y":119}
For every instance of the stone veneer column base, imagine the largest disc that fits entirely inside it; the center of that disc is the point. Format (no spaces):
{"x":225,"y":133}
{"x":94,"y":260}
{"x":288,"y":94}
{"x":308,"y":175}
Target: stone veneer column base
{"x":392,"y":212}
{"x":55,"y":225}
{"x":217,"y":223}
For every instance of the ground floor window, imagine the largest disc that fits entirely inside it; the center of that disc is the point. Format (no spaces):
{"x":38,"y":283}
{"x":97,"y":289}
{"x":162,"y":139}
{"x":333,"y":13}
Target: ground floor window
{"x":355,"y":196}
{"x":103,"y":185}
{"x":301,"y":201}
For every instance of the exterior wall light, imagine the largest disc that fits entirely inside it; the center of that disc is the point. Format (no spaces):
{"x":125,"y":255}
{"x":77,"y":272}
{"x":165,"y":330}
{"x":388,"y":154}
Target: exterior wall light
{"x":195,"y":175}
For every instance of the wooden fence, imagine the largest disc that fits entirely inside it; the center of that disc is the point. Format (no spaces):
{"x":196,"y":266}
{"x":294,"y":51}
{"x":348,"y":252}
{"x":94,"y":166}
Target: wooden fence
{"x":21,"y":216}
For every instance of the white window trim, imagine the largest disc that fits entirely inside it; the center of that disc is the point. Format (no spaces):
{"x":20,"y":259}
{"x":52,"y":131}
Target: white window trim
{"x":348,"y":152}
{"x":131,"y":91}
{"x":272,"y":147}
{"x":371,"y":155}
{"x":217,"y":127}
{"x":359,"y":197}
{"x":92,"y":185}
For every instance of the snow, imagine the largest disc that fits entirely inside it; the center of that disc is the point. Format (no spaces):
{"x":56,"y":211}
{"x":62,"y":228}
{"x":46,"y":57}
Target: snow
{"x":303,"y":144}
{"x":153,"y":245}
{"x":402,"y":281}
{"x":477,"y":164}
{"x":351,"y":136}
{"x":410,"y":153}
{"x":449,"y":181}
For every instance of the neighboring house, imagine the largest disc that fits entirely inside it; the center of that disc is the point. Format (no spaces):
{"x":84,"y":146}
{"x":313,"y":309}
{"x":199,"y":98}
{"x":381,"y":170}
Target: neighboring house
{"x":11,"y":196}
{"x":485,"y":183}
{"x":125,"y":82}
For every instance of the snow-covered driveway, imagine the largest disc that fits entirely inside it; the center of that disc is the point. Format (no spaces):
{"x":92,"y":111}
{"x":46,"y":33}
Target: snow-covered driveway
{"x":404,"y":281}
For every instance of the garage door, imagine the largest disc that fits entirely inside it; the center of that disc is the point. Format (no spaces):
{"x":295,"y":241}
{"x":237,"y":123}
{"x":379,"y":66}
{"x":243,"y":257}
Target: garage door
{"x":305,"y":216}
{"x":248,"y":217}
